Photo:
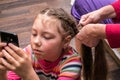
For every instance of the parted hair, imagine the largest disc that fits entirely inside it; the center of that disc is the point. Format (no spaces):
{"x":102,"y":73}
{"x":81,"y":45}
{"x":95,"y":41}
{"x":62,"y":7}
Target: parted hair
{"x":67,"y":21}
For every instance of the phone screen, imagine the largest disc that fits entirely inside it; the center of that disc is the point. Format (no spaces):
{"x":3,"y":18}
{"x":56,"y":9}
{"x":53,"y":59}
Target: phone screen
{"x":9,"y":38}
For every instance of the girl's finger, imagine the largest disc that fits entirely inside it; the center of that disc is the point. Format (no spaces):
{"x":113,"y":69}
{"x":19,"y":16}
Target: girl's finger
{"x":11,"y":60}
{"x":2,"y":45}
{"x":1,"y":54}
{"x":7,"y":65}
{"x":2,"y":67}
{"x":17,"y":50}
{"x":10,"y":52}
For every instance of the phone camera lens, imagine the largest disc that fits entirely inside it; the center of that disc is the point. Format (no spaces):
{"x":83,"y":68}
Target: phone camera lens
{"x":11,"y":40}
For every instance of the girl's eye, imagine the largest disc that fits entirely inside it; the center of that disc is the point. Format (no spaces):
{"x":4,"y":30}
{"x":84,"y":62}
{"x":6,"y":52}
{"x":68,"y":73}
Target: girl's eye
{"x":34,"y":34}
{"x":47,"y":37}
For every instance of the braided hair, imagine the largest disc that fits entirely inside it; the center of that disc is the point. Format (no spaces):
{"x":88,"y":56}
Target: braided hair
{"x":67,"y":21}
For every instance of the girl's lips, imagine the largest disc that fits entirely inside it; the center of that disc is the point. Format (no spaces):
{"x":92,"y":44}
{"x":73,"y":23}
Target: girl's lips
{"x":37,"y":51}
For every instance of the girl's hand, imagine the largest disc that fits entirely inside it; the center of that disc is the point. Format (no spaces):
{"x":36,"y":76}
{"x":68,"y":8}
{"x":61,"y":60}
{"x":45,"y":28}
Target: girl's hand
{"x":17,"y":60}
{"x":2,"y":45}
{"x":2,"y":68}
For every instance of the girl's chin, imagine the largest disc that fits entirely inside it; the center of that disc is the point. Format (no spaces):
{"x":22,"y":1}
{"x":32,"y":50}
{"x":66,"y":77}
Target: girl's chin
{"x":39,"y":57}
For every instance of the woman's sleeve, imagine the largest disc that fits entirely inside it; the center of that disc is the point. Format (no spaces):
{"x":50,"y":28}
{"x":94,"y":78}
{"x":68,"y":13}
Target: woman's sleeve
{"x":116,"y":6}
{"x":113,"y":35}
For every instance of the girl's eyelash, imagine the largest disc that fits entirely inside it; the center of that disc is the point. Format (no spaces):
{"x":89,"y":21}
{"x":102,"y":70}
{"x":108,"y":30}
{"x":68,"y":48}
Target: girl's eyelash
{"x":34,"y":34}
{"x":47,"y":37}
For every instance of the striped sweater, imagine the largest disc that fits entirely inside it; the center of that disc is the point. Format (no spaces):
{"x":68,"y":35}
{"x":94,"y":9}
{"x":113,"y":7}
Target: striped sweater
{"x":67,"y":67}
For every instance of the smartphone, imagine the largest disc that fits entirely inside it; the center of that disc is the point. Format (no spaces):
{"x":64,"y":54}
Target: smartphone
{"x":9,"y":38}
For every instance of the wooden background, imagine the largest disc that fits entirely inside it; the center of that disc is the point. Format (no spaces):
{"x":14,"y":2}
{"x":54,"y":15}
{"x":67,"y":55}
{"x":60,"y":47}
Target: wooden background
{"x":18,"y":15}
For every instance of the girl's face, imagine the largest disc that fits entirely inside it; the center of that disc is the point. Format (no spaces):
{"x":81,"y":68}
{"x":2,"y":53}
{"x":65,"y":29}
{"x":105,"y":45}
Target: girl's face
{"x":46,"y":41}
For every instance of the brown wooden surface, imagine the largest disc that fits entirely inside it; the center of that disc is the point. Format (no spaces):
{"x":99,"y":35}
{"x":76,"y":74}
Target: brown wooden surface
{"x":18,"y":16}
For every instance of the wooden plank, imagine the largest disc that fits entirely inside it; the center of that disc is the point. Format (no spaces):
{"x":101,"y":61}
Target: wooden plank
{"x":7,"y":1}
{"x":18,"y":26}
{"x":19,"y":3}
{"x":21,"y":22}
{"x":21,"y":12}
{"x":12,"y":13}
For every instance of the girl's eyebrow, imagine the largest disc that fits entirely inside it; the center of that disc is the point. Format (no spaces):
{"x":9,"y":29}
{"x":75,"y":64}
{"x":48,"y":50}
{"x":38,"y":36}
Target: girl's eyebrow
{"x":44,"y":32}
{"x":33,"y":29}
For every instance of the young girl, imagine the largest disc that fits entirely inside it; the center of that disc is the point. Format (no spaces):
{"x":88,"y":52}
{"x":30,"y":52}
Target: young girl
{"x":49,"y":56}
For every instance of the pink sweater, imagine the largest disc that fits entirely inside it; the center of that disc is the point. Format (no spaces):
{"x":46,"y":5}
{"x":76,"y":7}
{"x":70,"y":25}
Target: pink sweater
{"x":66,"y":67}
{"x":113,"y":30}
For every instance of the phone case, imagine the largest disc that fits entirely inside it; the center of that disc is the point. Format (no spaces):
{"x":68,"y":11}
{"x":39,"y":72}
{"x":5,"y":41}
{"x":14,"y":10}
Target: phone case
{"x":9,"y":38}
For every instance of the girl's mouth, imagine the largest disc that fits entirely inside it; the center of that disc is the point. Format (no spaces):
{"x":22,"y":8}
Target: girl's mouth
{"x":37,"y":51}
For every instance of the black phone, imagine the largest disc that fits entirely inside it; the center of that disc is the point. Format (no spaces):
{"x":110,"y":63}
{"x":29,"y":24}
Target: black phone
{"x":9,"y":38}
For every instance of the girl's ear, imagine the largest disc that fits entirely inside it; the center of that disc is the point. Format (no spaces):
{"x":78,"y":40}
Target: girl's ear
{"x":67,"y":41}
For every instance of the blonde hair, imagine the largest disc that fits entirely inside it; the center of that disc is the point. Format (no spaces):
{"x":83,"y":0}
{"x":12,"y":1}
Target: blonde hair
{"x":68,"y":23}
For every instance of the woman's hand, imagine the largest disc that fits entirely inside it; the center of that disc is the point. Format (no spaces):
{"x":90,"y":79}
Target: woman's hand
{"x":91,"y":34}
{"x":92,"y":17}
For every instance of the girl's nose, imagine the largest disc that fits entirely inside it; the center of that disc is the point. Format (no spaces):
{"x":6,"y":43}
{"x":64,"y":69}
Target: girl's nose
{"x":37,"y":41}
